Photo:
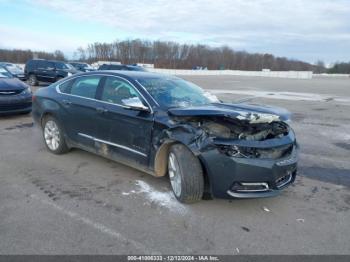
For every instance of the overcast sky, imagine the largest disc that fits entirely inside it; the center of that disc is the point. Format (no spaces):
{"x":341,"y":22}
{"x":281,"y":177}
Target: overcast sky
{"x":307,"y":30}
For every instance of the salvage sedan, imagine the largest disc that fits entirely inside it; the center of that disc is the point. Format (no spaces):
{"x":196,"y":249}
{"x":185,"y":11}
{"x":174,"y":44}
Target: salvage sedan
{"x":164,"y":125}
{"x":15,"y":95}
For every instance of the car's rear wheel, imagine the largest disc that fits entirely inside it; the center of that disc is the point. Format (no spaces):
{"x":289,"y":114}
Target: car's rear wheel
{"x":32,"y":80}
{"x":186,"y":174}
{"x":53,"y":136}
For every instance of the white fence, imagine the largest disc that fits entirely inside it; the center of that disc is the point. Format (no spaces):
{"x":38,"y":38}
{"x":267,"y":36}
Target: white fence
{"x":280,"y":74}
{"x":332,"y":75}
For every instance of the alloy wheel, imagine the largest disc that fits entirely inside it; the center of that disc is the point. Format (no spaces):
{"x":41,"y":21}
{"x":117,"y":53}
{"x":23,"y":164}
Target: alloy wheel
{"x":52,"y":135}
{"x":174,"y":174}
{"x":32,"y":80}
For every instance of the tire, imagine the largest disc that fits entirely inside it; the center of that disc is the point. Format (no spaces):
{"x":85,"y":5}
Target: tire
{"x":32,"y":80}
{"x":186,"y":174}
{"x":52,"y":131}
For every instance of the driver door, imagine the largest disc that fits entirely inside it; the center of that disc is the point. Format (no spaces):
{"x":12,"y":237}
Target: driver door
{"x":123,"y":133}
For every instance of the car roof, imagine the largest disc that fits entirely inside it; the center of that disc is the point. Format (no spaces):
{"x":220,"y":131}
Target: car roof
{"x":54,"y":61}
{"x":130,"y":74}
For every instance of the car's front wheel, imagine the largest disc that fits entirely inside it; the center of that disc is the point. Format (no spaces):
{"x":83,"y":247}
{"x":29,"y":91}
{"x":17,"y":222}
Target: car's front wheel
{"x":53,"y":136}
{"x":186,"y":174}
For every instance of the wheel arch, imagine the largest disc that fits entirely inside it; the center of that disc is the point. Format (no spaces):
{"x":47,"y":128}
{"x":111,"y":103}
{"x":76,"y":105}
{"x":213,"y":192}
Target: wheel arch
{"x":46,"y":114}
{"x":161,"y":158}
{"x":161,"y":161}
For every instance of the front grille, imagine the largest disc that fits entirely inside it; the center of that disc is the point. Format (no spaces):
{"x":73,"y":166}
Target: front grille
{"x":10,"y":92}
{"x":9,"y":107}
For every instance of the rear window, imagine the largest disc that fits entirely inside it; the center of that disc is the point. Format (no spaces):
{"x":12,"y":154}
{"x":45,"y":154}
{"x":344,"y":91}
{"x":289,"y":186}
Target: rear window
{"x":31,"y":63}
{"x":112,"y":67}
{"x":82,"y":86}
{"x":61,"y":66}
{"x":66,"y":86}
{"x":43,"y":64}
{"x":85,"y":86}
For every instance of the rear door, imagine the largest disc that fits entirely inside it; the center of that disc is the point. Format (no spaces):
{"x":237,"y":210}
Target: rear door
{"x":125,"y":133}
{"x":79,"y":103}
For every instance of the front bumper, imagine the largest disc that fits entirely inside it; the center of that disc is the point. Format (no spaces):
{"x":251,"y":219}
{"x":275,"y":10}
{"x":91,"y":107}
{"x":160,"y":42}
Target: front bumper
{"x":233,"y":177}
{"x":12,"y":104}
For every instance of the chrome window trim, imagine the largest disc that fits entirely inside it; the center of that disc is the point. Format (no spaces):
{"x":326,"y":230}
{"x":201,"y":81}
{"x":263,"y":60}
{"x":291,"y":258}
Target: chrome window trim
{"x":93,"y":99}
{"x":144,"y":88}
{"x":112,"y":144}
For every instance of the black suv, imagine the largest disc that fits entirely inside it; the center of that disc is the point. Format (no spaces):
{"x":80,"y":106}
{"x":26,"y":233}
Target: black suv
{"x":47,"y":71}
{"x":121,"y":67}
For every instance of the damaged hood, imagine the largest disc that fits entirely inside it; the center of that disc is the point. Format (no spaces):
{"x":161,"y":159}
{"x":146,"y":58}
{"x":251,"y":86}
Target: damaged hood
{"x":248,"y":112}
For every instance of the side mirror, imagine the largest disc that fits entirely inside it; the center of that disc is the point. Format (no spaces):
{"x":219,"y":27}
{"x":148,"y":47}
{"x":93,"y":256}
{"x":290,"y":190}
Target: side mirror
{"x":135,"y":103}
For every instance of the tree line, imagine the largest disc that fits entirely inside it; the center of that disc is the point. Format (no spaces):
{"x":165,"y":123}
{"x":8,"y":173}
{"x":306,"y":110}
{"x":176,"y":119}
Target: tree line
{"x":166,"y":54}
{"x":340,"y":68}
{"x":169,"y":54}
{"x":22,"y":56}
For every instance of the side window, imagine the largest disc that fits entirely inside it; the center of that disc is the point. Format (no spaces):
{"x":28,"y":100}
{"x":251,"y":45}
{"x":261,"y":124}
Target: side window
{"x":50,"y":65}
{"x":103,"y":67}
{"x":61,"y":66}
{"x":66,"y":86}
{"x":117,"y":91}
{"x":85,"y":86}
{"x":41,"y":64}
{"x":115,"y":67}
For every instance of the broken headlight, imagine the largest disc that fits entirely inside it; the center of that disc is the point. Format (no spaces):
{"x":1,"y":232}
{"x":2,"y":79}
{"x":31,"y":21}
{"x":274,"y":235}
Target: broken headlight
{"x":251,"y":152}
{"x":233,"y":151}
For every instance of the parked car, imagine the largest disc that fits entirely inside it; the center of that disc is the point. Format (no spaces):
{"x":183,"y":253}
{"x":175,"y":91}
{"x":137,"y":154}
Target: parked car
{"x":47,"y":71}
{"x":14,"y":70}
{"x":164,"y":125}
{"x":84,"y":67}
{"x":121,"y":67}
{"x":15,"y":95}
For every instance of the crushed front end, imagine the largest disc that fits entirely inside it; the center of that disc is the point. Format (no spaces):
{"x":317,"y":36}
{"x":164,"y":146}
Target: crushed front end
{"x":251,"y":159}
{"x":249,"y":155}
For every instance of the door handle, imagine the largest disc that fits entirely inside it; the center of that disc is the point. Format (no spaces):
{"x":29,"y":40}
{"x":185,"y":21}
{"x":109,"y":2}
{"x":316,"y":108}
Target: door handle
{"x":101,"y":110}
{"x":67,"y":102}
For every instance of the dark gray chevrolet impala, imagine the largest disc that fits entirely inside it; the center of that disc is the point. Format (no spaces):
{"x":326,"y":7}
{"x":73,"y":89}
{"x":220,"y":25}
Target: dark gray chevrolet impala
{"x":164,"y":125}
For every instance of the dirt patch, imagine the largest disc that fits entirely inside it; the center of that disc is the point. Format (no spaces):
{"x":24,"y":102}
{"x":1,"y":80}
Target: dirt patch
{"x":246,"y":229}
{"x":20,"y":126}
{"x":320,"y":124}
{"x":297,"y":117}
{"x":343,"y":145}
{"x":319,"y":109}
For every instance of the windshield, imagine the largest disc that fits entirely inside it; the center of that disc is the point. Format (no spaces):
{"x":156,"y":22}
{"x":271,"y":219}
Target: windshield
{"x":175,"y":92}
{"x":63,"y":66}
{"x":14,"y":69}
{"x":136,"y":68}
{"x":4,"y":73}
{"x":86,"y":66}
